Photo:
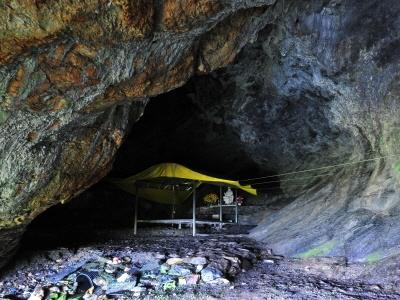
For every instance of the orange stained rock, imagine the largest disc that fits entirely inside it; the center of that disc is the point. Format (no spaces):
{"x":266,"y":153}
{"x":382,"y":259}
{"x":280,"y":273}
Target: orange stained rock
{"x":181,"y":15}
{"x":16,"y":84}
{"x":65,"y":77}
{"x":57,"y":103}
{"x":25,"y":24}
{"x":32,"y":136}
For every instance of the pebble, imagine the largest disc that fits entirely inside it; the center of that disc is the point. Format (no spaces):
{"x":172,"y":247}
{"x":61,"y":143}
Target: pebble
{"x":182,"y":281}
{"x":110,"y":269}
{"x":192,"y":279}
{"x":99,"y":281}
{"x":197,"y":260}
{"x":124,"y":277}
{"x":138,"y":289}
{"x":199,"y":268}
{"x":174,"y":260}
{"x":268,"y":261}
{"x":219,"y":281}
{"x":127,"y":259}
{"x":159,"y":256}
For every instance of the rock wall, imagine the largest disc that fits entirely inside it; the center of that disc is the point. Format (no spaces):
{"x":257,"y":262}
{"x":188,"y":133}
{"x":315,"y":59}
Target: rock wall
{"x":72,"y":75}
{"x":320,"y":87}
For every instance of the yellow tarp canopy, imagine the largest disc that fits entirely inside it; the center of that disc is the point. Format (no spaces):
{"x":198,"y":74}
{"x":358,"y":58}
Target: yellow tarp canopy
{"x":162,"y":193}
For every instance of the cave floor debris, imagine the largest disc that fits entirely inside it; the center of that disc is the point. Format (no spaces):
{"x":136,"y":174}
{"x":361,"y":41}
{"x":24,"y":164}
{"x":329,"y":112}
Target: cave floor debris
{"x":233,"y":268}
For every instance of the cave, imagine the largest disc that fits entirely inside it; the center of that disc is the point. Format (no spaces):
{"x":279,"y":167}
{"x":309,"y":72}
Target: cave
{"x":287,"y":110}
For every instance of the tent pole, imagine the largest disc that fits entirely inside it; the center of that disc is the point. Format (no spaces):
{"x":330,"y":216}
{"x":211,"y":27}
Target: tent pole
{"x":236,"y":208}
{"x":136,"y":211}
{"x":220,"y":206}
{"x":194,"y":209}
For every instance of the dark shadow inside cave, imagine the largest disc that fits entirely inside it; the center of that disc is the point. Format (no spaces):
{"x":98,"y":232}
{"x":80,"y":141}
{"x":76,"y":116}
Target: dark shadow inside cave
{"x":172,"y":129}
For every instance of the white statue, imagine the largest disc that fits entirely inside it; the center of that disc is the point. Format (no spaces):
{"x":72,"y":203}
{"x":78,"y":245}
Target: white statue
{"x":228,"y":196}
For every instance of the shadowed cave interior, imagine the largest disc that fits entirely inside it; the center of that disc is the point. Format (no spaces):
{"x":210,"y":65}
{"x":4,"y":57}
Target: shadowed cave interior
{"x":171,"y":130}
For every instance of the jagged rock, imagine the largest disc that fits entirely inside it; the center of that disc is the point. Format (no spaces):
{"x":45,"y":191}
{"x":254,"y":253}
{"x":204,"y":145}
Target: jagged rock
{"x":318,"y":88}
{"x":37,"y":294}
{"x":150,"y":269}
{"x":74,"y":75}
{"x":179,"y":270}
{"x":209,"y":274}
{"x":192,"y":279}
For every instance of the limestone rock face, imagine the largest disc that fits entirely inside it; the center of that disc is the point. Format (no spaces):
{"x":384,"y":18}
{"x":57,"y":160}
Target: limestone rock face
{"x":320,"y":87}
{"x":73,"y":73}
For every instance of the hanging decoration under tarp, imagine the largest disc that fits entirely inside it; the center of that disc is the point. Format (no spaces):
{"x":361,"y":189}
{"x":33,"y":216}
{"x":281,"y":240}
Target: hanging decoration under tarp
{"x":169,"y":182}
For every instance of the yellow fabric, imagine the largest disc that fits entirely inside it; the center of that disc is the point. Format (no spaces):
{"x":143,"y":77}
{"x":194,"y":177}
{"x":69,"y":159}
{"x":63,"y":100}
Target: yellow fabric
{"x":172,"y":170}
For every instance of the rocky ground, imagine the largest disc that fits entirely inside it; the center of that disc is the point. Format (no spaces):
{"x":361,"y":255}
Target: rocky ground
{"x":172,"y":267}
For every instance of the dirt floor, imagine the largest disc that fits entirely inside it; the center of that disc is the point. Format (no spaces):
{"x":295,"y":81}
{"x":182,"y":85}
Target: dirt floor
{"x":262,"y":275}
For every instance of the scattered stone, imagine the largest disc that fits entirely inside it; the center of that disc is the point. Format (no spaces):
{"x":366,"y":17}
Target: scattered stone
{"x":220,"y":281}
{"x":192,"y":279}
{"x":110,"y":269}
{"x":149,"y":282}
{"x":160,"y":256}
{"x":164,"y":268}
{"x":124,"y":277}
{"x":99,"y":281}
{"x":138,"y":289}
{"x":198,"y":260}
{"x":173,"y":255}
{"x":182,"y":281}
{"x":246,"y":264}
{"x":179,"y":270}
{"x":174,"y":260}
{"x":150,"y":269}
{"x":116,"y":260}
{"x":199,"y":268}
{"x":170,"y":285}
{"x":220,"y":264}
{"x":268,"y":261}
{"x":127,"y":259}
{"x":116,"y":287}
{"x":54,"y":289}
{"x":37,"y":294}
{"x":209,"y":274}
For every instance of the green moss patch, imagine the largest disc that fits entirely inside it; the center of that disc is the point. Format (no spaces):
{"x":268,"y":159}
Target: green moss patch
{"x":3,"y":116}
{"x":374,"y":257}
{"x":320,"y":250}
{"x":396,"y":167}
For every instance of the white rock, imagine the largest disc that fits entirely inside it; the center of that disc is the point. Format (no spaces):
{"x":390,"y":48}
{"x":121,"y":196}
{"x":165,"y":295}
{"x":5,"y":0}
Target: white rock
{"x":197,"y":260}
{"x":37,"y":294}
{"x":124,"y":277}
{"x":269,"y":261}
{"x":174,"y":261}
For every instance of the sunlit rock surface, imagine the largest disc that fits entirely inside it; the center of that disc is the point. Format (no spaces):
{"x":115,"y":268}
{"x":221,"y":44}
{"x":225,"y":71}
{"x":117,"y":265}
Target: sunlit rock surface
{"x":72,"y":75}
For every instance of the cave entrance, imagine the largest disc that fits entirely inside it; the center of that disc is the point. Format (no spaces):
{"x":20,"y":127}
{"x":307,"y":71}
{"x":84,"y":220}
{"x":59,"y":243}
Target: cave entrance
{"x":174,"y":128}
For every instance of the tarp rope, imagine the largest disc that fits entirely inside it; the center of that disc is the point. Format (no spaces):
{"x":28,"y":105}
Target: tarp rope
{"x":320,"y":168}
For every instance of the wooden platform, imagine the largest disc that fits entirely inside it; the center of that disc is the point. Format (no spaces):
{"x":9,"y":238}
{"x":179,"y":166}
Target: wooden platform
{"x":183,"y":221}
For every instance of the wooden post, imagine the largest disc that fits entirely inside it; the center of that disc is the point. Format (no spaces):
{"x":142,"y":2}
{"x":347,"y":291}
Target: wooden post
{"x":236,"y":209}
{"x":194,"y":210}
{"x":136,"y":211}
